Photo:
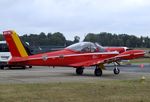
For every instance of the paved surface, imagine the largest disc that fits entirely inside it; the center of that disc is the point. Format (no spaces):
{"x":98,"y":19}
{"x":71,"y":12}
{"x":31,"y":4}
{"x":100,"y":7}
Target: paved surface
{"x":133,"y":68}
{"x":62,"y":74}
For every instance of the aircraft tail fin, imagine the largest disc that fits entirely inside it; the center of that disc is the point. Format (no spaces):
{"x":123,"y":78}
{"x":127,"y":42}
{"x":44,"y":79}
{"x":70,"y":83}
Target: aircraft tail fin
{"x":14,"y":44}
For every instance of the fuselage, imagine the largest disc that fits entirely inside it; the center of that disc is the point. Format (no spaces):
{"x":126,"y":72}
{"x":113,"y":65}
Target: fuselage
{"x":65,"y":57}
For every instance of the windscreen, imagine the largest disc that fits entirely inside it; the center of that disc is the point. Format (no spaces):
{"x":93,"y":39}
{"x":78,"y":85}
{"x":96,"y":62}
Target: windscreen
{"x":83,"y":47}
{"x":100,"y":48}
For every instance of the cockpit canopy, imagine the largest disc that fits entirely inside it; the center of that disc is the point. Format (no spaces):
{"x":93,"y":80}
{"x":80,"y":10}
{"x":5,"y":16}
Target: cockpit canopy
{"x":86,"y":47}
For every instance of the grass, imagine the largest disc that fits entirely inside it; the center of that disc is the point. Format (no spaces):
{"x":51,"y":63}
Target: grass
{"x":96,"y":91}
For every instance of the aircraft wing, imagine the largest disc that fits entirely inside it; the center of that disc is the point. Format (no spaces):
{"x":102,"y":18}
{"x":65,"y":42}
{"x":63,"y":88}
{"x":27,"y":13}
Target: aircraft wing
{"x":93,"y":62}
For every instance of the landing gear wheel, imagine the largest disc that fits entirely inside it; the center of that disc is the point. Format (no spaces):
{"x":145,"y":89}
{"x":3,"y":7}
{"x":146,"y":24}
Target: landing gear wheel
{"x":9,"y":67}
{"x":98,"y":71}
{"x":79,"y":71}
{"x":23,"y":67}
{"x":116,"y":71}
{"x":30,"y":66}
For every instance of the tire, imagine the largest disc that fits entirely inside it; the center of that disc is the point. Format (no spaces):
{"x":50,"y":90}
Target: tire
{"x":79,"y":71}
{"x":30,"y":66}
{"x":9,"y":67}
{"x":98,"y":72}
{"x":23,"y":67}
{"x":116,"y":71}
{"x":3,"y":67}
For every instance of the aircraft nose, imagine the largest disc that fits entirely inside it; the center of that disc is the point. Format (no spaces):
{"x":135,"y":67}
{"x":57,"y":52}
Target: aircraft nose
{"x":140,"y":53}
{"x":136,"y":54}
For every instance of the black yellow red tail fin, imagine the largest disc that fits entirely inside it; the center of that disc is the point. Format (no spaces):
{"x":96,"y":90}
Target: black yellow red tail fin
{"x":14,"y":43}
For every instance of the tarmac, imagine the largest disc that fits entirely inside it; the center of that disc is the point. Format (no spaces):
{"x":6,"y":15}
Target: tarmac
{"x":66,"y":74}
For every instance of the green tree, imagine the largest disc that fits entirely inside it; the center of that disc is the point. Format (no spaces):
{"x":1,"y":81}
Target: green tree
{"x":58,"y":39}
{"x":1,"y":37}
{"x":76,"y":39}
{"x":91,"y":37}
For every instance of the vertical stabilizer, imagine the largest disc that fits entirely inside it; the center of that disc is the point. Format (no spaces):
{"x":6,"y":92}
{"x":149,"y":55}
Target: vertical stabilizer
{"x":14,"y":43}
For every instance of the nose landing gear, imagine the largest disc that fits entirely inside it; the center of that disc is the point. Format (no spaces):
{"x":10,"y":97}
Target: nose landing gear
{"x":116,"y":69}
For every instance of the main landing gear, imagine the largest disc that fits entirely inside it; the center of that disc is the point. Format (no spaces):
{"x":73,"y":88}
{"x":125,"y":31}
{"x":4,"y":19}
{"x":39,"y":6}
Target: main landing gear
{"x":79,"y":71}
{"x":98,"y":71}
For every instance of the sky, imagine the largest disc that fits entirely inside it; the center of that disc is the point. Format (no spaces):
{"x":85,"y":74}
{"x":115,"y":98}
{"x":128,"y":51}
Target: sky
{"x":76,"y":17}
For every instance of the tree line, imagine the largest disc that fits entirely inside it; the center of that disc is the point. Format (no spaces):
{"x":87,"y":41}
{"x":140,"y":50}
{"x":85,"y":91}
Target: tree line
{"x":103,"y":38}
{"x":109,"y":39}
{"x":50,"y":39}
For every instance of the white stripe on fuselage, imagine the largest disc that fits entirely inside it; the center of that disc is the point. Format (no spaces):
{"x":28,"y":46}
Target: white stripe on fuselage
{"x":71,"y":55}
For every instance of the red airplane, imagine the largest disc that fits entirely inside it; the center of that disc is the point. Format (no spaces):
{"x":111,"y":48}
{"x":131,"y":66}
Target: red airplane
{"x":79,"y":55}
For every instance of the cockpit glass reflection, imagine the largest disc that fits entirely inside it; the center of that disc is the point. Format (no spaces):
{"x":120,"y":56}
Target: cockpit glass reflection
{"x":86,"y":47}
